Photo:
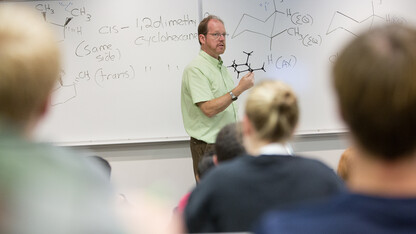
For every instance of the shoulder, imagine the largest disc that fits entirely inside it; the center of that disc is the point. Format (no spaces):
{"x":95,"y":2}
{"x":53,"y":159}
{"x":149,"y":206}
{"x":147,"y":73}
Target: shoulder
{"x":292,"y":164}
{"x":231,"y":167}
{"x":197,"y":62}
{"x":309,"y":173}
{"x":322,"y":217}
{"x":308,"y":165}
{"x":35,"y":174}
{"x":222,"y":175}
{"x":201,"y":65}
{"x":344,"y":214}
{"x":47,"y":161}
{"x":194,"y":70}
{"x":317,"y":173}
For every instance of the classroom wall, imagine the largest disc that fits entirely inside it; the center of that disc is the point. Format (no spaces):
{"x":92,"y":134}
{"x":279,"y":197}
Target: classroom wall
{"x":167,"y":167}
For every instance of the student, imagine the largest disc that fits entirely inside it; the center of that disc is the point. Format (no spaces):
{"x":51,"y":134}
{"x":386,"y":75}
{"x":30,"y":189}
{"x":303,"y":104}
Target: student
{"x":205,"y":165}
{"x":229,"y":143}
{"x":43,"y":189}
{"x":375,"y":82}
{"x":234,"y":194}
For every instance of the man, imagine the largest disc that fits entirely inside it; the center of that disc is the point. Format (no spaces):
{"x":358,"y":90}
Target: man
{"x":375,"y":81}
{"x":208,"y":91}
{"x":43,"y":189}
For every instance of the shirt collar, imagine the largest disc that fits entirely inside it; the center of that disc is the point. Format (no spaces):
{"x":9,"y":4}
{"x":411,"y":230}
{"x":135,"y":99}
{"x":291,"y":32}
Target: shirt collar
{"x":215,"y":62}
{"x":276,"y":149}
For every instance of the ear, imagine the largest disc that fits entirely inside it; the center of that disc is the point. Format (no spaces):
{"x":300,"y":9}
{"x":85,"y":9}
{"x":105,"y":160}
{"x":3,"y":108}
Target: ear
{"x":202,"y":39}
{"x":247,"y":126}
{"x":37,"y":116}
{"x":45,"y":107}
{"x":215,"y":159}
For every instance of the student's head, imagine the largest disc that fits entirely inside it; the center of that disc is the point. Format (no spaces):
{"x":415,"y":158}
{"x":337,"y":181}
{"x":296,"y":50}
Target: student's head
{"x":375,"y":81}
{"x":229,"y":142}
{"x":29,"y":64}
{"x":103,"y":164}
{"x":272,"y":111}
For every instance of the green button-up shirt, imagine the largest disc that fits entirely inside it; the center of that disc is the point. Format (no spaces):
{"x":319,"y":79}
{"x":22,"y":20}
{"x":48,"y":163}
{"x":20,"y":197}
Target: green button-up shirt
{"x":204,"y":79}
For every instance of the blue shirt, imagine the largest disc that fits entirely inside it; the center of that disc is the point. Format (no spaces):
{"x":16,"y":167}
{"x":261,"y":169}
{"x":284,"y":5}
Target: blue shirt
{"x":347,"y":213}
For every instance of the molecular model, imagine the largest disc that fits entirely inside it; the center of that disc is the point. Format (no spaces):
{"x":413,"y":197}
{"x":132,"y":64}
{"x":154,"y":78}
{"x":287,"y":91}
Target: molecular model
{"x":246,"y":65}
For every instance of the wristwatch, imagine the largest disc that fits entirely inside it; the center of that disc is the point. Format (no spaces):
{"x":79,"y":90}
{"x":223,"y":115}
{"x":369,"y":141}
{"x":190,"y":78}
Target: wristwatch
{"x":233,"y":97}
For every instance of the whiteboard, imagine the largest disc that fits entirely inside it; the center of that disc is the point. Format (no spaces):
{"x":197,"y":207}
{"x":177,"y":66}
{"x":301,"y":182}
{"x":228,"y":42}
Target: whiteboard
{"x":122,"y":71}
{"x":298,"y":40}
{"x":123,"y":60}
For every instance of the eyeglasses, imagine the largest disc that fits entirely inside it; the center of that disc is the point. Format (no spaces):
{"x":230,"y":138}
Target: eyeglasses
{"x":217,"y":35}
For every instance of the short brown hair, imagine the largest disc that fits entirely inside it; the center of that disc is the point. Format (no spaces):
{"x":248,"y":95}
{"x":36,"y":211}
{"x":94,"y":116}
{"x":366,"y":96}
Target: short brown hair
{"x":29,"y":62}
{"x":375,"y":81}
{"x":229,"y":142}
{"x":272,"y":108}
{"x":203,"y":25}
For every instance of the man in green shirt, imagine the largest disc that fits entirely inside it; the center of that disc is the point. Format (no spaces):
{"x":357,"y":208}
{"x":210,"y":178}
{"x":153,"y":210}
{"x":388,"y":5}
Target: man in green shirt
{"x":208,"y":91}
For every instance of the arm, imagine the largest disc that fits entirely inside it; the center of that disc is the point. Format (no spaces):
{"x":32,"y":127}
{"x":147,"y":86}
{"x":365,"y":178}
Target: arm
{"x":212,"y":107}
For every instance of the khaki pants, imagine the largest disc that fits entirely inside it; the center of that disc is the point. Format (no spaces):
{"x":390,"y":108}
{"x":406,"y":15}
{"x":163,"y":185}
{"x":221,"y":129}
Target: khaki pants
{"x":199,"y":149}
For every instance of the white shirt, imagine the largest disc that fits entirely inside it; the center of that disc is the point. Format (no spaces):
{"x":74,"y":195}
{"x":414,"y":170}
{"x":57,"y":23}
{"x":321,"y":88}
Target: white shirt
{"x":276,"y":149}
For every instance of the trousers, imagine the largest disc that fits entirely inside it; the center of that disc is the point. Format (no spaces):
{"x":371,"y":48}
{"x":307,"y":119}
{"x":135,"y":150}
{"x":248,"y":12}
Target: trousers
{"x":198,"y":150}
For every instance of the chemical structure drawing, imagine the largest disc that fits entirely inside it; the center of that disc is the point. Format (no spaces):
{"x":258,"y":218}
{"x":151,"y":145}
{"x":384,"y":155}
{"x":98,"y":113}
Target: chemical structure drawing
{"x":342,"y":21}
{"x":59,"y":27}
{"x":246,"y":65}
{"x":270,"y":28}
{"x":61,"y":18}
{"x":65,"y":14}
{"x":63,"y":92}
